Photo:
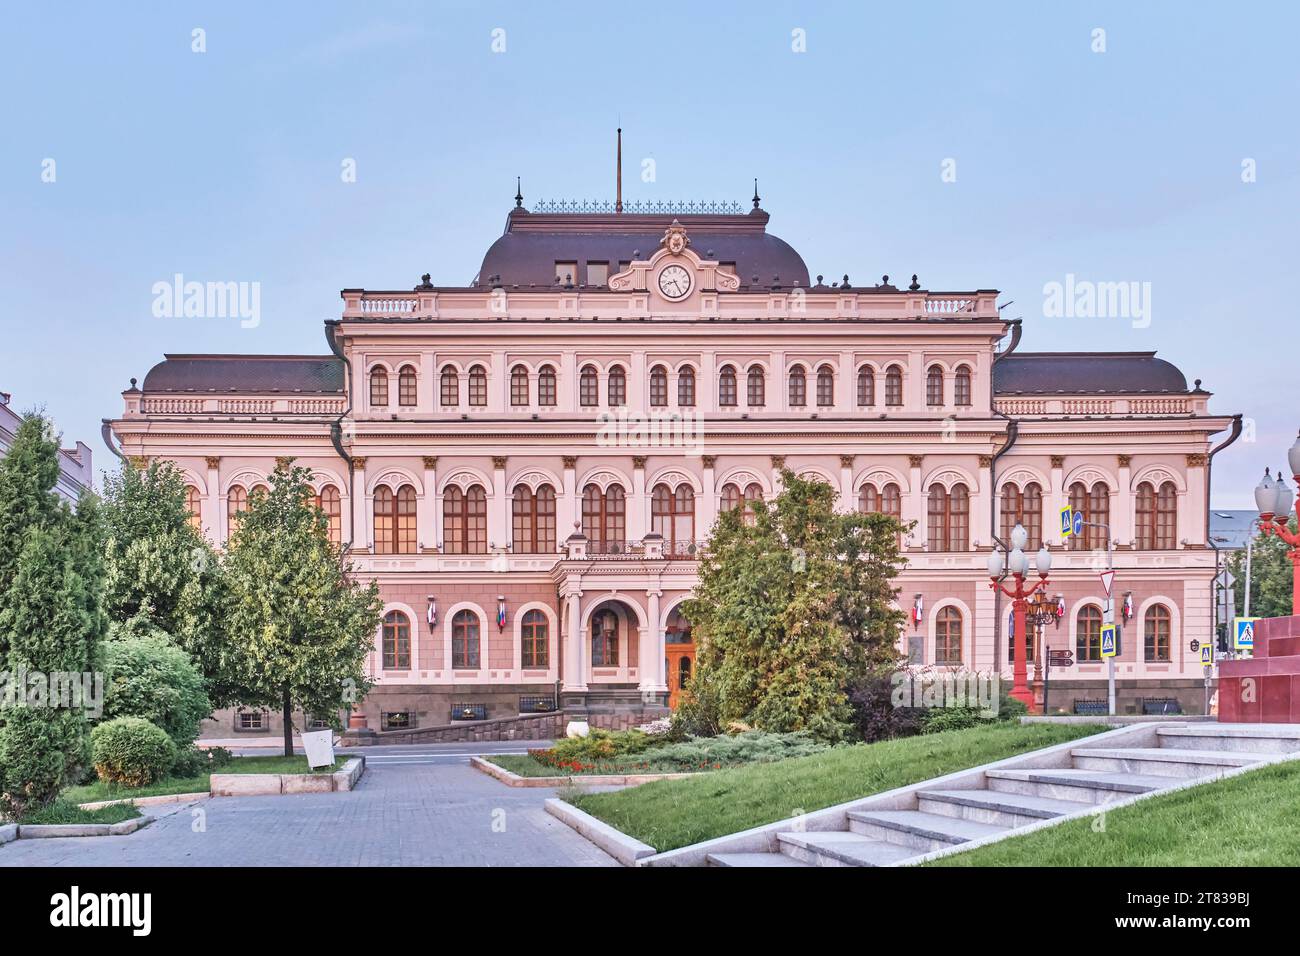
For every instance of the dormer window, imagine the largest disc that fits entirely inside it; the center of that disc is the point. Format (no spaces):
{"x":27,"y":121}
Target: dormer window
{"x":566,"y":273}
{"x":597,"y":273}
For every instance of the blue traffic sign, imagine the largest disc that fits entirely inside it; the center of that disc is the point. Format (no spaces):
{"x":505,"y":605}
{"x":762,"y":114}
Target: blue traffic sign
{"x":1078,"y":522}
{"x":1243,"y":633}
{"x":1067,"y":522}
{"x":1108,"y":640}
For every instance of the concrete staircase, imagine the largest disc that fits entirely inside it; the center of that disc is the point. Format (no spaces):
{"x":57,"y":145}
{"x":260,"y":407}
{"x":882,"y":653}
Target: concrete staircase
{"x":1006,"y":800}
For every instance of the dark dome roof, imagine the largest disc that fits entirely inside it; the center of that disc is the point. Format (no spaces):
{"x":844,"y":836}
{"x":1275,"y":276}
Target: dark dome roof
{"x":1081,"y":373}
{"x":246,"y":373}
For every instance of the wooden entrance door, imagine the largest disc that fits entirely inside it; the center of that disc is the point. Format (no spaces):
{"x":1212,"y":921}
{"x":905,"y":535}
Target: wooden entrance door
{"x":680,"y":665}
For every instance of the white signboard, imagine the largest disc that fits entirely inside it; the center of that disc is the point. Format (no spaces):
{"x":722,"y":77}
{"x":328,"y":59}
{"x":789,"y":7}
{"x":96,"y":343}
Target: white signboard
{"x":319,"y":745}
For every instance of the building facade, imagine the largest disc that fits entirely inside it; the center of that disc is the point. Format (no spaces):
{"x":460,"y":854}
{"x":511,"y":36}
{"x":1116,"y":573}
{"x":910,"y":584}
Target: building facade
{"x":529,"y":465}
{"x":76,"y":465}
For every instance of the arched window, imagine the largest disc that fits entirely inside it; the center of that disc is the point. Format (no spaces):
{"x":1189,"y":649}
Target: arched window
{"x":534,"y":649}
{"x":961,"y":386}
{"x":236,"y":504}
{"x":534,"y":520}
{"x":449,"y":387}
{"x":947,"y":636}
{"x":1094,"y":503}
{"x":378,"y":386}
{"x":949,"y":518}
{"x":395,"y":520}
{"x":866,"y":387}
{"x":686,"y":387}
{"x":756,"y":387}
{"x":1088,"y":635}
{"x":194,"y":507}
{"x":406,"y":386}
{"x":658,"y":386}
{"x":672,"y":514}
{"x":588,"y":387}
{"x":464,"y":520}
{"x":397,"y":641}
{"x":1157,"y":516}
{"x":546,"y":386}
{"x":604,"y":519}
{"x":604,"y":639}
{"x":1023,"y":508}
{"x":1157,"y":624}
{"x":329,"y":502}
{"x":617,"y":387}
{"x":753,"y":495}
{"x":465,"y":640}
{"x":934,"y":387}
{"x":884,"y":501}
{"x":519,"y":386}
{"x":894,"y":386}
{"x":478,"y":386}
{"x":825,"y":387}
{"x":727,"y":387}
{"x":798,"y":387}
{"x":730,"y":497}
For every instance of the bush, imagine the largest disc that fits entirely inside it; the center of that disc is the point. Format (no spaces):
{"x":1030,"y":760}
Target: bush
{"x":195,"y":761}
{"x":150,"y":677}
{"x":603,"y":745}
{"x":41,"y":750}
{"x":875,"y":715}
{"x":131,"y":751}
{"x":938,"y":719}
{"x":693,"y":753}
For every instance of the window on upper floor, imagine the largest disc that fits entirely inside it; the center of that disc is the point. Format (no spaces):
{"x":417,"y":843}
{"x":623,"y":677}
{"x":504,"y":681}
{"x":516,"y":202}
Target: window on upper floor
{"x":597,"y":273}
{"x":406,"y":386}
{"x":533,"y":516}
{"x":798,"y":387}
{"x":449,"y":387}
{"x":519,"y":386}
{"x":1094,"y":503}
{"x":588,"y":387}
{"x":756,"y":387}
{"x":894,"y":386}
{"x":546,"y":386}
{"x":948,"y":518}
{"x":727,"y":387}
{"x":866,"y":387}
{"x":464,"y":520}
{"x":934,"y":387}
{"x":330,"y":504}
{"x":961,"y":391}
{"x":825,"y":386}
{"x":604,"y":519}
{"x":194,"y":506}
{"x":394,"y":520}
{"x":672,"y":514}
{"x":733,"y":497}
{"x":686,"y":387}
{"x":236,"y":504}
{"x":478,"y":386}
{"x":616,"y":387}
{"x":566,"y":274}
{"x":1023,"y":508}
{"x":1157,"y":516}
{"x":658,"y":386}
{"x":886,"y":500}
{"x":378,"y":386}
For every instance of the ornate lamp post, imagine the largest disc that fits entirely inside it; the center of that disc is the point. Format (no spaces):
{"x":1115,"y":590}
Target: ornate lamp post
{"x":1018,"y":564}
{"x":1274,"y":500}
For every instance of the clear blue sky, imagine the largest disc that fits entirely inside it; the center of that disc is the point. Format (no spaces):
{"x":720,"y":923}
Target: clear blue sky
{"x":1115,"y":166}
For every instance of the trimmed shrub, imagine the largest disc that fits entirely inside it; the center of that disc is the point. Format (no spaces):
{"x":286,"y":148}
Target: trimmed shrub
{"x":149,"y":676}
{"x":875,"y":714}
{"x":131,"y":751}
{"x":193,"y":761}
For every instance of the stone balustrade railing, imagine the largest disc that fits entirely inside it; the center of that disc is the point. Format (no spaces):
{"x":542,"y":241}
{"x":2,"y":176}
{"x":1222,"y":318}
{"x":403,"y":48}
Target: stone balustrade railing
{"x":236,"y":406}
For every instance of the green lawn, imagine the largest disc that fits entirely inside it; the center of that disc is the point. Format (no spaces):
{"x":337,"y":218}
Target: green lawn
{"x":668,"y":814}
{"x":1248,"y":820}
{"x":64,"y":811}
{"x":99,"y":790}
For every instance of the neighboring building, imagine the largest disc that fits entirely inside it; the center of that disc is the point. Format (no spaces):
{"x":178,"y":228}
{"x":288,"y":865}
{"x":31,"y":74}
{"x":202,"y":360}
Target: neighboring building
{"x":76,"y":471}
{"x":469,"y":444}
{"x":1230,"y":530}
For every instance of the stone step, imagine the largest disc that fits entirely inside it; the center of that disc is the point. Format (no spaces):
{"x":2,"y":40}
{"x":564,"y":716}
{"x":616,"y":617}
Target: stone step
{"x":1238,"y":738}
{"x":841,"y":848}
{"x":1085,"y":786}
{"x":1160,"y":761}
{"x":753,"y":859}
{"x":917,"y":829}
{"x":995,"y":807}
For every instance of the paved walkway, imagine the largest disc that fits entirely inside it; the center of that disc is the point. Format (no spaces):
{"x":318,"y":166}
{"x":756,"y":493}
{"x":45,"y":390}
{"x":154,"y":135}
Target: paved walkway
{"x":436,"y":813}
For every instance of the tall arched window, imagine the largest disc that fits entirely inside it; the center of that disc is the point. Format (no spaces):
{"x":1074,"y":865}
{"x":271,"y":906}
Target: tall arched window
{"x":519,"y":386}
{"x":961,"y":394}
{"x":616,"y":386}
{"x":478,"y":386}
{"x":449,"y":387}
{"x":329,"y":502}
{"x":756,"y":387}
{"x":934,"y":387}
{"x":378,"y":386}
{"x":948,"y":516}
{"x":194,"y":506}
{"x":798,"y":387}
{"x":236,"y":504}
{"x":1157,"y":516}
{"x":1023,"y":508}
{"x":604,"y":519}
{"x":397,"y":641}
{"x":395,"y":520}
{"x":604,"y":638}
{"x":947,"y":636}
{"x":1088,"y":634}
{"x":546,"y":386}
{"x":406,"y":386}
{"x":730,"y":497}
{"x":589,"y":387}
{"x":1095,"y":505}
{"x":465,"y":640}
{"x":672,"y":514}
{"x":727,"y":387}
{"x":658,"y":386}
{"x":1157,"y":625}
{"x":534,"y":634}
{"x":464,"y":520}
{"x":686,"y":387}
{"x":825,"y":387}
{"x":885,"y":501}
{"x":866,"y":387}
{"x":894,"y":386}
{"x":533,"y":515}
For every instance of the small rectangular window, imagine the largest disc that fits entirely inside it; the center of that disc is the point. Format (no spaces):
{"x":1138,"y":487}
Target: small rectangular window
{"x":597,"y":273}
{"x":566,"y":273}
{"x":249,"y":720}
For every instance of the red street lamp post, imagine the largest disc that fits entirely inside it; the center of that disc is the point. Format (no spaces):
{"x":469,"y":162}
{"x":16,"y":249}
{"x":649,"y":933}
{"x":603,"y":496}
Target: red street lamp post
{"x":1274,"y":500}
{"x":1018,"y":564}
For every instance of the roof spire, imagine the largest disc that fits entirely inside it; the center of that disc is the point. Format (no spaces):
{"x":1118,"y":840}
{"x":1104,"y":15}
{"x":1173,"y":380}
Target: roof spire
{"x":519,"y":194}
{"x":618,"y":174}
{"x":755,"y":193}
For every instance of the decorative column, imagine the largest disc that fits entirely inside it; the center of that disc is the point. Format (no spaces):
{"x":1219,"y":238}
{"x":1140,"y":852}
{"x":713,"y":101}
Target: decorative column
{"x":846,"y":482}
{"x":570,"y":513}
{"x":706,"y":396}
{"x":637,"y":525}
{"x":1058,"y":498}
{"x":430,"y":512}
{"x":778,"y":462}
{"x":650,"y":650}
{"x":498,"y":534}
{"x":706,"y":509}
{"x":1121,"y":516}
{"x":915,"y":505}
{"x":568,"y":384}
{"x":778,"y":389}
{"x":1191,"y":509}
{"x":982,"y":499}
{"x":573,"y":665}
{"x":212,"y":510}
{"x":360,"y":526}
{"x":498,"y":383}
{"x":847,"y":385}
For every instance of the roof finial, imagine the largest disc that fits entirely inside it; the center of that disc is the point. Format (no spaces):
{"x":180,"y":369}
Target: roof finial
{"x":618,"y":174}
{"x":755,"y":193}
{"x":519,"y":194}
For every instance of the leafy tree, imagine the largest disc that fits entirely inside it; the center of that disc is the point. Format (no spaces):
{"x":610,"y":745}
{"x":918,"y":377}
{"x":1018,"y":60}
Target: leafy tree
{"x":792,"y":608}
{"x":300,"y":626}
{"x":51,"y":616}
{"x":147,"y":675}
{"x":1270,"y":576}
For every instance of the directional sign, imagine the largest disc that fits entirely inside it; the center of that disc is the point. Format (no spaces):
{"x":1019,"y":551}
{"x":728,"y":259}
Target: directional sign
{"x":1109,"y":638}
{"x":1067,"y":522}
{"x":1243,"y":633}
{"x":1078,"y":523}
{"x":1107,"y":579}
{"x":1060,"y":662}
{"x":1207,"y":655}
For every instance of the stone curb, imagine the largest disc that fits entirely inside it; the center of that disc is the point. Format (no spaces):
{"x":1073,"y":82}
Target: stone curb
{"x":512,"y":779}
{"x":159,"y":799}
{"x":37,"y":831}
{"x":627,"y":850}
{"x":277,"y":784}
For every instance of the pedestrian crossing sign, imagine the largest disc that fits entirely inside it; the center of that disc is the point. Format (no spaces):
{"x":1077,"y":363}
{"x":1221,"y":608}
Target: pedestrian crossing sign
{"x":1243,"y":633}
{"x":1109,"y":640}
{"x":1207,"y":655}
{"x":1067,"y":522}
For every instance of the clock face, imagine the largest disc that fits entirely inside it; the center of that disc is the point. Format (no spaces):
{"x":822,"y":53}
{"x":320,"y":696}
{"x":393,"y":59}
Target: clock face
{"x":674,"y":282}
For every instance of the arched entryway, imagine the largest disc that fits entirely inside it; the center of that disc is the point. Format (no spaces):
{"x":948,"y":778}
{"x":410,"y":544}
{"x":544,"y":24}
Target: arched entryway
{"x":612,"y":634}
{"x":679,"y":655}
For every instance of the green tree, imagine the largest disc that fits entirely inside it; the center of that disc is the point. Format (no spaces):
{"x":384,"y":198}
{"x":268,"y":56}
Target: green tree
{"x":51,"y":617}
{"x":1270,"y":577}
{"x":147,"y":675}
{"x":300,"y":626}
{"x":792,"y":607}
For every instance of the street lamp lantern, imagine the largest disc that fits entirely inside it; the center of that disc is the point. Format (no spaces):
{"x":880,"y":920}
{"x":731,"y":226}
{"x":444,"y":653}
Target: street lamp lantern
{"x":1017,"y":562}
{"x":1293,"y":457}
{"x":1274,"y":499}
{"x":1043,"y":561}
{"x":1282,"y":503}
{"x":995,"y":564}
{"x":1266,"y":496}
{"x":1019,"y":537}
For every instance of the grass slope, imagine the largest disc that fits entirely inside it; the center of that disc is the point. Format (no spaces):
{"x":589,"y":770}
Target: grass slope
{"x":668,"y":814}
{"x":1249,"y":820}
{"x":99,"y":790}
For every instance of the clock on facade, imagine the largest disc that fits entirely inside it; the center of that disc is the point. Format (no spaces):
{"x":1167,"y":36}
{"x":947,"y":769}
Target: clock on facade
{"x":674,"y":282}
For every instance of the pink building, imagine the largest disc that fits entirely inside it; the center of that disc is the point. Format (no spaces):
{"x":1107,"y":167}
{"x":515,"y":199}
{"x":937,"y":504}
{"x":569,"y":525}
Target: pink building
{"x":528,"y":464}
